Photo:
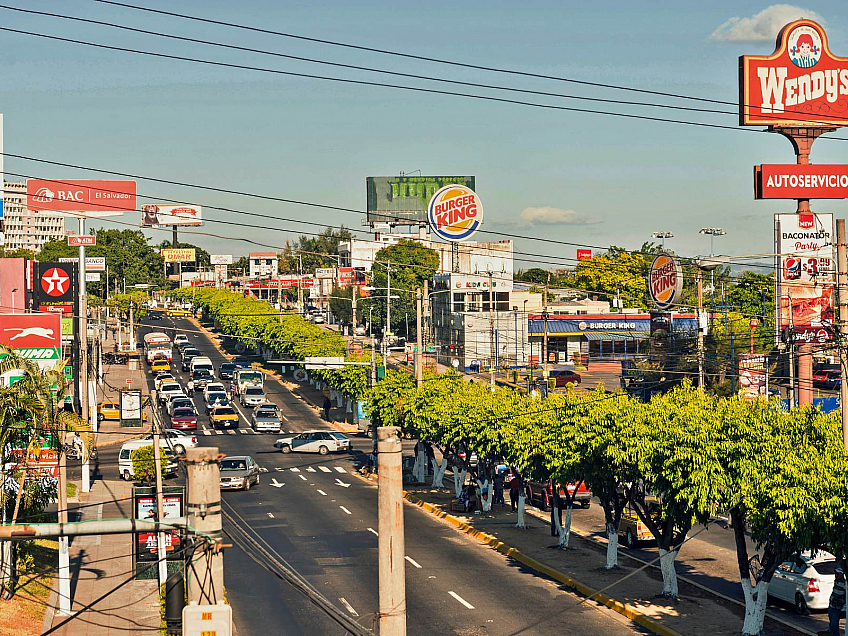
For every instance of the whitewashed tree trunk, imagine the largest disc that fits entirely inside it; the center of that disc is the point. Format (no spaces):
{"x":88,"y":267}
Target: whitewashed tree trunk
{"x":564,"y":529}
{"x":439,"y":473}
{"x":521,"y":523}
{"x":756,"y":598}
{"x":487,"y":500}
{"x":612,"y":549}
{"x":459,"y":481}
{"x":339,"y":399}
{"x":421,"y":463}
{"x":349,"y":407}
{"x":669,"y":573}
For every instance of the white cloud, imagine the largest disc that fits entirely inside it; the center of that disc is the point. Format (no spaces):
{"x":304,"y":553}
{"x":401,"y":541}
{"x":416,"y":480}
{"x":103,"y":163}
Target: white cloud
{"x":763,"y":26}
{"x":552,"y":216}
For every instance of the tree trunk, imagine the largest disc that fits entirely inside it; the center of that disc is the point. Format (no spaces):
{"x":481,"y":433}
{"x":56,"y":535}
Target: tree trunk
{"x":612,"y":547}
{"x":459,"y":481}
{"x":669,"y":574}
{"x":421,"y":476}
{"x":439,"y":473}
{"x":521,"y":523}
{"x":563,"y":529}
{"x":485,"y":494}
{"x":756,"y":598}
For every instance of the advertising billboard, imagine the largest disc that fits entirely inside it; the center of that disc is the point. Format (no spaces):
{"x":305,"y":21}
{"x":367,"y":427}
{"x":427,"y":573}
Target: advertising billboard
{"x":801,"y":181}
{"x":806,"y":276}
{"x":40,"y":462}
{"x":403,"y":200}
{"x":145,"y":509}
{"x":455,"y":213}
{"x":83,"y":196}
{"x":584,"y":255}
{"x":55,"y":287}
{"x":157,"y":215}
{"x":753,"y":376}
{"x":221,"y":259}
{"x":800,"y":84}
{"x":34,"y":336}
{"x":665,"y":281}
{"x":179,"y":255}
{"x":92,"y":263}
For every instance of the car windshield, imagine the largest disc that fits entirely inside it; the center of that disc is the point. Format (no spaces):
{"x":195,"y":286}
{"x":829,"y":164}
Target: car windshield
{"x":266,"y":411}
{"x":184,"y":412}
{"x":826,"y":567}
{"x":215,"y":386}
{"x":254,"y":391}
{"x":225,"y":410}
{"x":201,"y":373}
{"x":340,"y":436}
{"x":191,"y":352}
{"x":171,"y":386}
{"x":217,"y":395}
{"x":233,"y":464}
{"x":228,"y":366}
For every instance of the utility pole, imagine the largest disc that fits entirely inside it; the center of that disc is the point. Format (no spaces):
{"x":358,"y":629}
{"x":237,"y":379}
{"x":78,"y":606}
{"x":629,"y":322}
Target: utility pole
{"x":354,"y":294}
{"x":545,"y":337}
{"x":390,"y":540}
{"x":300,"y":285}
{"x":373,"y":378}
{"x":791,"y":356}
{"x":83,"y":329}
{"x":157,"y":464}
{"x":842,"y":287}
{"x":64,"y":558}
{"x":280,"y":293}
{"x":492,"y":351}
{"x":388,"y":327}
{"x":700,"y":330}
{"x":203,"y":510}
{"x":419,"y":351}
{"x":132,"y":329}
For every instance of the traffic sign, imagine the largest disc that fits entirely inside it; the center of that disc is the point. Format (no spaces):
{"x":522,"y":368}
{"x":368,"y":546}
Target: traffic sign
{"x":325,"y":363}
{"x":754,"y":323}
{"x":76,"y":240}
{"x":129,"y":381}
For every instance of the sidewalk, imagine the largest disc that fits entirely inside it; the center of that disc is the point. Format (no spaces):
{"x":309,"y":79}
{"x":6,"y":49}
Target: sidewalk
{"x":100,"y":563}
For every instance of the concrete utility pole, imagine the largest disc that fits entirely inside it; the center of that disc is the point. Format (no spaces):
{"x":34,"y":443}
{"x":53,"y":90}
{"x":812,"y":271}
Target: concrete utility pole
{"x":157,"y":463}
{"x":545,"y":337}
{"x":419,"y":352}
{"x":299,"y":285}
{"x":842,"y":287}
{"x":354,"y":294}
{"x":390,"y":542}
{"x":700,"y":275}
{"x":83,"y":328}
{"x":492,"y":352}
{"x":388,"y":327}
{"x":203,"y":510}
{"x":792,"y":394}
{"x":64,"y":558}
{"x":373,"y":378}
{"x":132,"y":329}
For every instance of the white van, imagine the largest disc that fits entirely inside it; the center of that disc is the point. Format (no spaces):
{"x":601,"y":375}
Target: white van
{"x":201,"y":362}
{"x":125,"y":468}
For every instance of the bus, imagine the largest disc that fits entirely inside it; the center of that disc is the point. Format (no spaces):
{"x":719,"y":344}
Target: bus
{"x":157,"y":344}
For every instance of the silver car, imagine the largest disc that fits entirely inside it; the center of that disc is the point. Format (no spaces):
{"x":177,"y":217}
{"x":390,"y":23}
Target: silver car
{"x":321,"y":442}
{"x":252,"y":396}
{"x":266,"y":419}
{"x":238,"y":472}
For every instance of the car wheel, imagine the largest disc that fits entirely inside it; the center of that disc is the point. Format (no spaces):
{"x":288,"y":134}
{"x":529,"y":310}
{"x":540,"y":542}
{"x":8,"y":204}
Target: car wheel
{"x":100,"y":417}
{"x":323,"y":450}
{"x":285,"y":449}
{"x":247,"y":484}
{"x":180,"y":449}
{"x":257,"y":480}
{"x":630,"y":539}
{"x":801,"y":605}
{"x":126,"y":475}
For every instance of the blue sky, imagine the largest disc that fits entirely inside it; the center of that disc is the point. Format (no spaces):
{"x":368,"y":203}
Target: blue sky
{"x":587,"y":179}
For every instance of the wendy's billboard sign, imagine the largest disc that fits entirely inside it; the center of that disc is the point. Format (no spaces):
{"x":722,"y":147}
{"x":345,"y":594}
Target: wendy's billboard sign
{"x":801,"y":84}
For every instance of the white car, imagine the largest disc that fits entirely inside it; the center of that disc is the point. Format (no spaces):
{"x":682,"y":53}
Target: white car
{"x":321,"y":442}
{"x":266,"y":418}
{"x":178,"y":440}
{"x":317,"y":319}
{"x":162,"y":378}
{"x":805,"y":581}
{"x":359,"y":330}
{"x":213,"y":387}
{"x":181,"y":339}
{"x":167,"y":389}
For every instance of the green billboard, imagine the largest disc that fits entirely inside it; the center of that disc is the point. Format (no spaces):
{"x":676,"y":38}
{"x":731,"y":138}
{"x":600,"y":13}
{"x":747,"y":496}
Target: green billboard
{"x":403,"y":200}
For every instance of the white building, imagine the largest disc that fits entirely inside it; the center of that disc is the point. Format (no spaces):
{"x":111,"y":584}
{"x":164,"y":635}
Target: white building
{"x":360,"y":253}
{"x":263,"y":264}
{"x":25,"y":228}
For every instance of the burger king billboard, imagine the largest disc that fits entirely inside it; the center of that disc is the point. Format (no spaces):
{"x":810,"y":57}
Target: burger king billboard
{"x":665,"y":281}
{"x":455,"y":212}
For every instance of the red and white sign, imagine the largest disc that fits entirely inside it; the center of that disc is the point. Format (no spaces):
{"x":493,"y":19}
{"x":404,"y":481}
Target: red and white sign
{"x":129,"y":381}
{"x":801,"y":83}
{"x":76,"y":240}
{"x":455,"y":213}
{"x":31,"y":331}
{"x":794,"y":181}
{"x":55,"y":282}
{"x":40,"y":462}
{"x":665,"y":281}
{"x":94,"y":198}
{"x":154,"y":214}
{"x":584,"y":255}
{"x":345,"y":276}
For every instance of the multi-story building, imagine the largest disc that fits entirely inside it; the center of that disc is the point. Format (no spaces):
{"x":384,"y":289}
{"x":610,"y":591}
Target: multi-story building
{"x":25,"y":228}
{"x":263,"y":264}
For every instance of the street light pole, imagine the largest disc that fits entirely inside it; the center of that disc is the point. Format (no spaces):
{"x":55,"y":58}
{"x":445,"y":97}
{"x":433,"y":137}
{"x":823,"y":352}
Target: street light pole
{"x":663,"y":236}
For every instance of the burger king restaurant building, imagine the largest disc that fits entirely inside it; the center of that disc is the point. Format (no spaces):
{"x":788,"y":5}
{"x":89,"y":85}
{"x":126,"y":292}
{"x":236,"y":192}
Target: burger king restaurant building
{"x":602,"y":337}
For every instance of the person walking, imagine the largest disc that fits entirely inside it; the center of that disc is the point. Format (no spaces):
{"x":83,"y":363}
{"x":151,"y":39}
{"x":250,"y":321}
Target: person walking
{"x":513,"y":492}
{"x":498,"y":482}
{"x":327,"y":406}
{"x":556,"y":509}
{"x":836,"y":605}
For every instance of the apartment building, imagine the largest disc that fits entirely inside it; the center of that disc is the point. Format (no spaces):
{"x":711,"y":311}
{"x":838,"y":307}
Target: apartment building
{"x":25,"y":228}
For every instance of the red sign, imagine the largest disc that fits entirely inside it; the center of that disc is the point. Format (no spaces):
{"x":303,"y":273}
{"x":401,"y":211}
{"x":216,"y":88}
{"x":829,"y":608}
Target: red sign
{"x":77,"y":240}
{"x":584,"y":255}
{"x":43,"y":462}
{"x":56,"y":309}
{"x":29,"y":331}
{"x":84,"y":195}
{"x":793,"y":181}
{"x":129,"y":381}
{"x":55,"y":282}
{"x":801,"y":83}
{"x":345,"y":276}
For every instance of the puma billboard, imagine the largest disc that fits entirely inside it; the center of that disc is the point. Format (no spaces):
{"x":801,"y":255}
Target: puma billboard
{"x":34,"y":336}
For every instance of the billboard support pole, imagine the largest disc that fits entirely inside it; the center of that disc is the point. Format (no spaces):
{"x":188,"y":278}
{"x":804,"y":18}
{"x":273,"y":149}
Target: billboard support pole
{"x":64,"y":591}
{"x":802,"y":141}
{"x":842,"y":286}
{"x":83,"y":329}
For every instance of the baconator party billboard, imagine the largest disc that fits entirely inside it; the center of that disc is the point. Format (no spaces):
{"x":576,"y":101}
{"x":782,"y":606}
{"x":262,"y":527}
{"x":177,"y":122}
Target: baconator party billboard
{"x":403,"y":200}
{"x":801,"y":83}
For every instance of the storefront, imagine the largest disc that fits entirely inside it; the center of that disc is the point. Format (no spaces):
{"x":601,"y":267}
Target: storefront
{"x":600,"y":337}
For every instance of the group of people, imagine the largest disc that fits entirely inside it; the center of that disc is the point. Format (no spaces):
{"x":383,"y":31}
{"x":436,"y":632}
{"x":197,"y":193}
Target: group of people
{"x":472,"y":497}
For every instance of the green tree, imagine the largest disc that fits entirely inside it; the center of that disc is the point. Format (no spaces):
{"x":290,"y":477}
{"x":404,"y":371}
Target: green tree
{"x":52,"y":251}
{"x":532,"y":275}
{"x":314,"y":251}
{"x":19,"y":253}
{"x":240,"y":267}
{"x":341,"y":303}
{"x":144,"y":464}
{"x":616,"y":273}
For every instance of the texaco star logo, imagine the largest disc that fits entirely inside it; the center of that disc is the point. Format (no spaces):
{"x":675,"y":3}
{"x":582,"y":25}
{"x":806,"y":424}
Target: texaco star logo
{"x":55,"y":282}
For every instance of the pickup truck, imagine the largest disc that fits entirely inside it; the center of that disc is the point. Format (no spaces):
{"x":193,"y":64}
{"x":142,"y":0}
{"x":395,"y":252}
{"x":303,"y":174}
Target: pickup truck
{"x":539,"y":494}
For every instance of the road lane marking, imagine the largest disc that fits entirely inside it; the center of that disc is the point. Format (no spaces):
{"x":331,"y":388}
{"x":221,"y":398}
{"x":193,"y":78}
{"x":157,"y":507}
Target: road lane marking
{"x":310,"y":469}
{"x":262,"y":469}
{"x":412,"y":561}
{"x":231,"y":431}
{"x":339,"y":469}
{"x":219,"y":432}
{"x":324,"y":469}
{"x":294,"y":469}
{"x":243,"y":431}
{"x":374,"y":531}
{"x":277,"y":484}
{"x":279,"y":470}
{"x":322,"y":492}
{"x":303,"y":478}
{"x":461,"y":600}
{"x":348,"y":607}
{"x":339,"y":482}
{"x":345,"y":509}
{"x":206,"y":432}
{"x":270,"y":516}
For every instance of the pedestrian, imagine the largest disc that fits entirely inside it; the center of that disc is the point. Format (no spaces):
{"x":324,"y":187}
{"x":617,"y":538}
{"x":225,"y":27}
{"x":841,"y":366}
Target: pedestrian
{"x":327,"y":406}
{"x":498,"y":482}
{"x":78,"y":444}
{"x":513,"y":492}
{"x":836,"y":604}
{"x":556,"y":508}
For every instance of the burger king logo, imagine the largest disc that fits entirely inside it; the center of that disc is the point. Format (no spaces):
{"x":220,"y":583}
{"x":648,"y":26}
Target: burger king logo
{"x":455,"y":212}
{"x":665,"y":281}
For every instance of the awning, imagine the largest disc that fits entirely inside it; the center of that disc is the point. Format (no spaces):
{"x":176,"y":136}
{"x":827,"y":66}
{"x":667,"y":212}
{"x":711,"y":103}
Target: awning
{"x":625,"y":335}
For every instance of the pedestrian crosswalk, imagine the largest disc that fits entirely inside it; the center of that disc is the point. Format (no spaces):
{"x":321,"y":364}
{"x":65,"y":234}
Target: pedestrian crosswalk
{"x":233,"y":431}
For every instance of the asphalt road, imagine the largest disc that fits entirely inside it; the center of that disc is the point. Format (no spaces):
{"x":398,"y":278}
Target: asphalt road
{"x":322,"y":520}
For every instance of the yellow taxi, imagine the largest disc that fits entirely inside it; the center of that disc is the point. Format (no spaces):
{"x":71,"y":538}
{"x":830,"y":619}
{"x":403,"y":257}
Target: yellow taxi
{"x":177,"y":311}
{"x":160,"y":364}
{"x":223,"y":417}
{"x":112,"y":411}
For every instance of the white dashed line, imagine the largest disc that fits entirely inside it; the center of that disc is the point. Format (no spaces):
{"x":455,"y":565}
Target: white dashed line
{"x":348,"y":607}
{"x":303,"y":478}
{"x":322,"y":492}
{"x":339,"y":469}
{"x":243,"y":431}
{"x":294,"y":469}
{"x":413,"y":562}
{"x":310,"y":469}
{"x":219,"y":432}
{"x":270,"y":516}
{"x":206,"y":431}
{"x":461,"y":600}
{"x":324,"y":469}
{"x":345,"y":509}
{"x":231,"y":431}
{"x":374,"y":531}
